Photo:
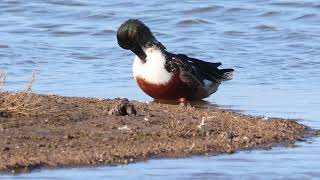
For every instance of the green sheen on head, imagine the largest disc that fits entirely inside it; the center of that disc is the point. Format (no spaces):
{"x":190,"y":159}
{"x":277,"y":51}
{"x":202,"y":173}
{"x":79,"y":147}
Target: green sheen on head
{"x":133,"y":33}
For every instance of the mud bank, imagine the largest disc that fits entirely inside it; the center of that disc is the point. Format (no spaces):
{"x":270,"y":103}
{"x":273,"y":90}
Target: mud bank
{"x":55,"y":131}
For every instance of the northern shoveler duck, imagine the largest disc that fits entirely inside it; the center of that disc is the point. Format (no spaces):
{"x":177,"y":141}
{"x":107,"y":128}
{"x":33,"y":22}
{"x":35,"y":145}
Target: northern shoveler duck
{"x":165,"y":75}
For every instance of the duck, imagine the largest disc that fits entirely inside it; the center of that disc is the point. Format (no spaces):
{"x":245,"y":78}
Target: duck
{"x":164,"y":75}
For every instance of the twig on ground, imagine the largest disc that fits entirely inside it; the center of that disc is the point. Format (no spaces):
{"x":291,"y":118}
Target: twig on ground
{"x":30,"y":83}
{"x":192,"y":146}
{"x":202,"y":123}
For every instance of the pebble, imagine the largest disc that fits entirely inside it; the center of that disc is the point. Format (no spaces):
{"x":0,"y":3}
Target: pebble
{"x":246,"y":139}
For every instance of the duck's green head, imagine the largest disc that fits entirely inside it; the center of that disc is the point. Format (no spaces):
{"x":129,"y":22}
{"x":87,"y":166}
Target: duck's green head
{"x":134,"y":35}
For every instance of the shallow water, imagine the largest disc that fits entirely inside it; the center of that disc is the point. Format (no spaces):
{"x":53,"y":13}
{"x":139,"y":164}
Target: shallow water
{"x":273,"y":45}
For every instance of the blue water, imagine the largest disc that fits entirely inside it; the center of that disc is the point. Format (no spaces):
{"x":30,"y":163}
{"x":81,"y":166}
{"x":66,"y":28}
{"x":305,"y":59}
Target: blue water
{"x":273,"y":45}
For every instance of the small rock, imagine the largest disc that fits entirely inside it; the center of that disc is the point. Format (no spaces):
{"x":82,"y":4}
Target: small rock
{"x":5,"y":149}
{"x":68,"y":136}
{"x":123,"y":109}
{"x":246,"y":139}
{"x":131,"y":110}
{"x":41,"y":145}
{"x":4,"y":114}
{"x":228,"y":135}
{"x":46,"y":121}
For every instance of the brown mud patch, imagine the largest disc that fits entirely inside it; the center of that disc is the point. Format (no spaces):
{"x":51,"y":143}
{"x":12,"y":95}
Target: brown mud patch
{"x":55,"y":131}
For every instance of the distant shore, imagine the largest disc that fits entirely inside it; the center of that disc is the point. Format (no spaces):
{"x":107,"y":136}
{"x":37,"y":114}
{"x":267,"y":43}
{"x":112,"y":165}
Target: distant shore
{"x":54,"y":131}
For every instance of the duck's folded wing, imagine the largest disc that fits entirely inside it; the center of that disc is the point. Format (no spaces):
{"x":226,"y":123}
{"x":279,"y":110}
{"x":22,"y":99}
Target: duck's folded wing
{"x":187,"y":73}
{"x":205,"y":70}
{"x":198,"y":61}
{"x":189,"y":79}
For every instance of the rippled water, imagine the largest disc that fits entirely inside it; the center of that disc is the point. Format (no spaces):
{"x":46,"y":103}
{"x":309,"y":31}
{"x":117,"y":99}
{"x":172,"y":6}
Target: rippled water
{"x":273,"y":45}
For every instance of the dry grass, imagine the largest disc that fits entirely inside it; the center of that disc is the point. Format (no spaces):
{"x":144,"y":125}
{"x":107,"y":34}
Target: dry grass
{"x":2,"y":80}
{"x":17,"y":102}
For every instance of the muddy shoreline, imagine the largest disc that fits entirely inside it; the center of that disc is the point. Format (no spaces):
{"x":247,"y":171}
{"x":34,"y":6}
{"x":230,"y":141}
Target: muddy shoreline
{"x":55,"y":131}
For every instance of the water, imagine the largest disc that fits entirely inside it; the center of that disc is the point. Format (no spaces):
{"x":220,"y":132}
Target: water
{"x":273,"y":45}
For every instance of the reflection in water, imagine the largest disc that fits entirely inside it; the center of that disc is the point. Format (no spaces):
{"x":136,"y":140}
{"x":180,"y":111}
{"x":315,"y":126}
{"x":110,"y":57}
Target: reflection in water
{"x":273,"y":46}
{"x":198,"y":103}
{"x":202,"y":104}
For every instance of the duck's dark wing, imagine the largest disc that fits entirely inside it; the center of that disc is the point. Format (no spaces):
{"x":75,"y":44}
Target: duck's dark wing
{"x":192,"y":69}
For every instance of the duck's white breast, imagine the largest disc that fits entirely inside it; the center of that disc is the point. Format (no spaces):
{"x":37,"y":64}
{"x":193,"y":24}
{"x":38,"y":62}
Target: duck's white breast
{"x":153,"y":70}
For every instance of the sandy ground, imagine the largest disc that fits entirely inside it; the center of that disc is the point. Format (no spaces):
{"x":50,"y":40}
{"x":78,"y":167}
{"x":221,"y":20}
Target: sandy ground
{"x":54,"y":131}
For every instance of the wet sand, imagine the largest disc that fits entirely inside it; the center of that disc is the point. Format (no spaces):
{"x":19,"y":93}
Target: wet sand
{"x":54,"y":131}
